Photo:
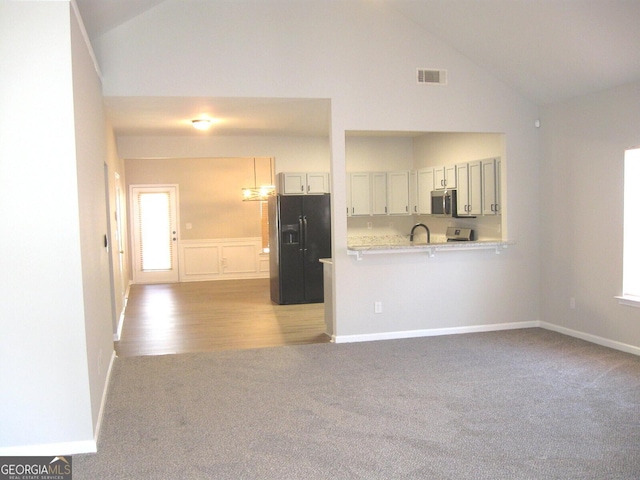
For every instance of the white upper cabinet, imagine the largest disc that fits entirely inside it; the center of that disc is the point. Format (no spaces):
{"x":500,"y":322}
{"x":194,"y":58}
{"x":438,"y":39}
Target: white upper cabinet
{"x":469,"y":185}
{"x":303,"y":183}
{"x":379,"y":193}
{"x":359,"y":194}
{"x":398,"y":193}
{"x":413,"y":192}
{"x":491,"y":193}
{"x":425,"y":186}
{"x":318,"y":182}
{"x":444,"y":177}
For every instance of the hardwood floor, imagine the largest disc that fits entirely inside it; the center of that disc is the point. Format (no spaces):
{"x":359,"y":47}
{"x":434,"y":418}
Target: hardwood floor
{"x":216,"y":315}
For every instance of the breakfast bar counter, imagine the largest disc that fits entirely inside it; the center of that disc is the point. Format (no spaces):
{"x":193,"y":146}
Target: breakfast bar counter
{"x":358,"y":250}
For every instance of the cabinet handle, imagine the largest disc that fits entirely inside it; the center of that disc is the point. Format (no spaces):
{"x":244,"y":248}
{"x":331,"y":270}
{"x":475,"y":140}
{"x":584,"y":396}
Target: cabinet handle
{"x":406,"y":208}
{"x":302,"y":188}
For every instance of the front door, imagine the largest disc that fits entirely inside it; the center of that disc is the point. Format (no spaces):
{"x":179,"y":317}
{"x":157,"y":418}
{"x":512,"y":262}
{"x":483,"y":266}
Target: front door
{"x":154,"y":214}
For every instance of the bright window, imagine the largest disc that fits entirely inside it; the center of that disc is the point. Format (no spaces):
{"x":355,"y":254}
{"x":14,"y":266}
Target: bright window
{"x":631,"y":252}
{"x":155,"y":227}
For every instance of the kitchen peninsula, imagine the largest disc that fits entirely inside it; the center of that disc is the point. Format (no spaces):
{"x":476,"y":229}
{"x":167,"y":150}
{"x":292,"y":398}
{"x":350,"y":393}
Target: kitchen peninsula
{"x":430,"y":249}
{"x":396,"y":243}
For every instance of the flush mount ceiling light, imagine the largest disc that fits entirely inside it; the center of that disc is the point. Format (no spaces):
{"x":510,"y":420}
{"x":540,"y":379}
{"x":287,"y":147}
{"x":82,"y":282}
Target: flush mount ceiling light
{"x":201,"y":123}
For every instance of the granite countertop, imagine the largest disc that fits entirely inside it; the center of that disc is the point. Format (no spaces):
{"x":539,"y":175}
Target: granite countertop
{"x":388,"y":241}
{"x":359,"y":245}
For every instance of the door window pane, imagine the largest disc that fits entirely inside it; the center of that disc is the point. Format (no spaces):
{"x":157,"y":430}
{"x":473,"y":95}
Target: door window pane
{"x":155,"y":231}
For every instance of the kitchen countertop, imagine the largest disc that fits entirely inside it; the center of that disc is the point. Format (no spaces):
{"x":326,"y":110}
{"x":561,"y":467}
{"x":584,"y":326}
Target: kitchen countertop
{"x":396,"y":246}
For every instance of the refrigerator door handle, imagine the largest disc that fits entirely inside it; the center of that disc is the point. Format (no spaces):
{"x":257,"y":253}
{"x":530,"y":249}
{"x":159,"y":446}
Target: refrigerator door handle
{"x":304,"y":222}
{"x":301,"y":233}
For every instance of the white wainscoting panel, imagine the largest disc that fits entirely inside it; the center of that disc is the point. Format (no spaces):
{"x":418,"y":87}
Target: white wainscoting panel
{"x":263,"y":263}
{"x":222,"y":259}
{"x":240,"y":259}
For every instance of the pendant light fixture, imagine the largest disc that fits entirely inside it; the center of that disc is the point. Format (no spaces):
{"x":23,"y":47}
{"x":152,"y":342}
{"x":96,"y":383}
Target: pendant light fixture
{"x":262,"y":193}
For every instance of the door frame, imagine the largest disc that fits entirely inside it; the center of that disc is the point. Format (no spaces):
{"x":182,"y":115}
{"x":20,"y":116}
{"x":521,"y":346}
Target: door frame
{"x":170,"y":276}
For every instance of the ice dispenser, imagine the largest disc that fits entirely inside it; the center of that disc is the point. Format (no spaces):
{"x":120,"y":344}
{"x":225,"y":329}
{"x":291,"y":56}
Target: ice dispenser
{"x":290,"y":234}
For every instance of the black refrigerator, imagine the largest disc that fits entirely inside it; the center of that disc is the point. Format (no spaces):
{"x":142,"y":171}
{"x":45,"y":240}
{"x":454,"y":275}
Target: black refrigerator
{"x":299,"y":236}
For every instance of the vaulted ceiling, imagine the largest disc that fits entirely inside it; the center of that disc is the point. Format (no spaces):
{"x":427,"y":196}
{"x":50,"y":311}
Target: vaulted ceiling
{"x":548,"y":50}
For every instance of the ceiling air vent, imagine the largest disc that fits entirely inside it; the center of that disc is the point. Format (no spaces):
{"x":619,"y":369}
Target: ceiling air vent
{"x":431,"y":77}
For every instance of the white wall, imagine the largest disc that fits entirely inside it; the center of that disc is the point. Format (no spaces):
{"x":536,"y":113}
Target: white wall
{"x":379,"y":153}
{"x":46,"y":395}
{"x":117,"y":192}
{"x":363,"y":56}
{"x":291,"y":154}
{"x":436,"y":149}
{"x":582,"y":162}
{"x":91,"y":157}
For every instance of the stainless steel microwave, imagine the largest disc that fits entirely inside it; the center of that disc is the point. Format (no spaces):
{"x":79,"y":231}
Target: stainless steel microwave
{"x":444,"y":203}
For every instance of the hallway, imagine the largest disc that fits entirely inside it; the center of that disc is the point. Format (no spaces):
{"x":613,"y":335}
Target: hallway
{"x":187,"y":317}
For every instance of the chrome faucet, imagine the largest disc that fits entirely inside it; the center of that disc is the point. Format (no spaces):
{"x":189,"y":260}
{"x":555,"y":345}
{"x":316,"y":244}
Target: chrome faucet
{"x":414,"y":229}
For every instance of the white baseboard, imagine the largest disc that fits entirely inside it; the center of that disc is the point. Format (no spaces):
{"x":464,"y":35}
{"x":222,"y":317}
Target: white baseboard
{"x":103,"y":402}
{"x":605,"y":342}
{"x":118,"y":332}
{"x":431,"y":332}
{"x":369,"y":337}
{"x":50,"y":449}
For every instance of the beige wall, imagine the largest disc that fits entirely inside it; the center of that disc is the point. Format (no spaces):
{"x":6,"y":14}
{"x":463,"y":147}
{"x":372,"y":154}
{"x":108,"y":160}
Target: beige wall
{"x":210,"y":194}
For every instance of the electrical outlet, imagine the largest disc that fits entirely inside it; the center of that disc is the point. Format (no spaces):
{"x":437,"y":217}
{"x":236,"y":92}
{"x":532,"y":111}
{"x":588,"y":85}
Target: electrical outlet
{"x":377,"y":307}
{"x":572,"y":303}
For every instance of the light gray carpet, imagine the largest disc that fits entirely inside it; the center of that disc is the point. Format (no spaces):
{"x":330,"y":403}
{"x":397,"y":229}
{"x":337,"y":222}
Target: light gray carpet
{"x":519,"y":404}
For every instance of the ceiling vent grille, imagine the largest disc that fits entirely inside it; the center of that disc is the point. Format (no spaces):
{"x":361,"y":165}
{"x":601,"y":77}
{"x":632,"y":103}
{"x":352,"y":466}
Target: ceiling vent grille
{"x":428,"y":76}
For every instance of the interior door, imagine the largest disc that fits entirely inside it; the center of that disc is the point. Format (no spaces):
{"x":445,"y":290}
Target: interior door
{"x":120,"y":235}
{"x":154,"y":214}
